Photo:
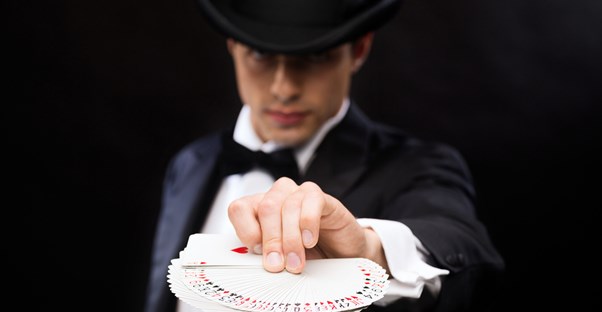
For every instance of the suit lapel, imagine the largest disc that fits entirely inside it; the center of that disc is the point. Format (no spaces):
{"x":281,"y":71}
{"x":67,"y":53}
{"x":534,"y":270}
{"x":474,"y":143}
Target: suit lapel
{"x":183,"y":194}
{"x":342,"y":157}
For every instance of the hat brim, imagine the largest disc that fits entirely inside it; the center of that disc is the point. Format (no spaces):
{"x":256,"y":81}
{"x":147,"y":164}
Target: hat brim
{"x":295,"y":39}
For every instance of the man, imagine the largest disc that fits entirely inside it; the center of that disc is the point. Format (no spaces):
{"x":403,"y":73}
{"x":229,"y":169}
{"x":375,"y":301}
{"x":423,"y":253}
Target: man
{"x":357,"y":188}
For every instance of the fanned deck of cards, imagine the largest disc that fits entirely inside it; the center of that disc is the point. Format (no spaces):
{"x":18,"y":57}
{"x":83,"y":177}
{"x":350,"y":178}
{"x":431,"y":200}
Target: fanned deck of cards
{"x":217,"y":273}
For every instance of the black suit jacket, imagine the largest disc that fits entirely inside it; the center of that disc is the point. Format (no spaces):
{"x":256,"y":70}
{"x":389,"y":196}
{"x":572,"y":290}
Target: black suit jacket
{"x":377,"y":172}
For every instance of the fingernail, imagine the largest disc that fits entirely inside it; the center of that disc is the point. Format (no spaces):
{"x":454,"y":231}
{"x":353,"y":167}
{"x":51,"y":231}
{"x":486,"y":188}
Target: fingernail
{"x":307,"y":237}
{"x":274,"y":259}
{"x":257,"y":249}
{"x":292,"y":261}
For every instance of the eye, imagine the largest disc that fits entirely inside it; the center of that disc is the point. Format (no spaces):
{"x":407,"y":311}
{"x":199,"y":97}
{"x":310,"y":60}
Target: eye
{"x":260,"y":55}
{"x":318,"y":57}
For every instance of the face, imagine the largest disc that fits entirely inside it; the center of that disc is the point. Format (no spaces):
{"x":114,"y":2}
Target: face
{"x":291,"y":96}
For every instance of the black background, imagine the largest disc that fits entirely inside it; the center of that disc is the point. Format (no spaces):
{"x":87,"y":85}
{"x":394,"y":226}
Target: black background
{"x":99,"y":94}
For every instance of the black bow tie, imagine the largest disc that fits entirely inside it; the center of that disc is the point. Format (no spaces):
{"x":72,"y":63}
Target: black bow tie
{"x":236,"y":158}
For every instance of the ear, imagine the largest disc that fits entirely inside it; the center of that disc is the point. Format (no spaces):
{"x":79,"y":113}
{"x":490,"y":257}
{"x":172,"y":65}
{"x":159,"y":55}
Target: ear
{"x":361,"y":49}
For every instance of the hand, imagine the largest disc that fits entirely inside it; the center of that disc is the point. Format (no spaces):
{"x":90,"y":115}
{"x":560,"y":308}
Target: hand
{"x":291,"y":223}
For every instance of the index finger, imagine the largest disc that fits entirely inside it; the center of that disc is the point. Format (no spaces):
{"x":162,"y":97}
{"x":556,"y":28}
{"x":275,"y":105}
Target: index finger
{"x":242,"y":215}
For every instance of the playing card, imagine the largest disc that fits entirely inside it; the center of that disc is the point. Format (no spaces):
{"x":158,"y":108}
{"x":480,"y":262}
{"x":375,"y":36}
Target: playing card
{"x":187,"y":295}
{"x":217,"y":249}
{"x":324,"y":285}
{"x":216,"y":273}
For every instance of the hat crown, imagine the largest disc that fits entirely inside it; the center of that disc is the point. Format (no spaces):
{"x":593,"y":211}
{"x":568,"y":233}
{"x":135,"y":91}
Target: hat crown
{"x":305,"y":13}
{"x":297,"y":26}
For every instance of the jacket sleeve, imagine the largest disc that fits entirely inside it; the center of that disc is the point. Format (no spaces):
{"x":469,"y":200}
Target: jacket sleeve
{"x":428,"y":187}
{"x":437,"y":202}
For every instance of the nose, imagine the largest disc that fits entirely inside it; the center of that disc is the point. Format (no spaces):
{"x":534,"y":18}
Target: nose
{"x":286,"y":86}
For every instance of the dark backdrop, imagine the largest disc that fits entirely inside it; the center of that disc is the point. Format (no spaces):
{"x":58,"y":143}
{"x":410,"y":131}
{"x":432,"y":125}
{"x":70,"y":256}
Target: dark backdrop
{"x":99,"y":95}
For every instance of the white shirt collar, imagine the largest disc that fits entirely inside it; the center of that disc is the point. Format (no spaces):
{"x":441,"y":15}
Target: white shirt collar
{"x":245,"y":135}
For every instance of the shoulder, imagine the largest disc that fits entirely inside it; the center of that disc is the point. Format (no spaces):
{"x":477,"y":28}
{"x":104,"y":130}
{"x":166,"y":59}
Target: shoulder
{"x":196,"y":151}
{"x":393,"y":140}
{"x":383,"y":141}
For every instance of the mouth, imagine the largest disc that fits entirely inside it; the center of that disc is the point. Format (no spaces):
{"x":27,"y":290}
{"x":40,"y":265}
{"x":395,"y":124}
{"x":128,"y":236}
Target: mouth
{"x":286,"y":119}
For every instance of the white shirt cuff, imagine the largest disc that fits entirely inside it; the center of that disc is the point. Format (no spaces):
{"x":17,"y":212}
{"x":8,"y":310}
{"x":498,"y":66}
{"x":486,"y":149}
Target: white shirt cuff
{"x":405,"y":257}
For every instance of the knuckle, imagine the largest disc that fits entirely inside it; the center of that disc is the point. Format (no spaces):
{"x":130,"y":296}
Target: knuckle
{"x":284,"y":183}
{"x":272,"y":243}
{"x":282,"y":180}
{"x":289,"y":242}
{"x":267,"y":207}
{"x":236,"y":207}
{"x":310,"y":186}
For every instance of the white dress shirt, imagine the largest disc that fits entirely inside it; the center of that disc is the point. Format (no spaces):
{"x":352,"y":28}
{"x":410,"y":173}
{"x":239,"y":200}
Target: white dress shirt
{"x":404,"y":252}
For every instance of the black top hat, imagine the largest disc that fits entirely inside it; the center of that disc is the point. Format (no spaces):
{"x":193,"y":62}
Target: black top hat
{"x":297,"y":26}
